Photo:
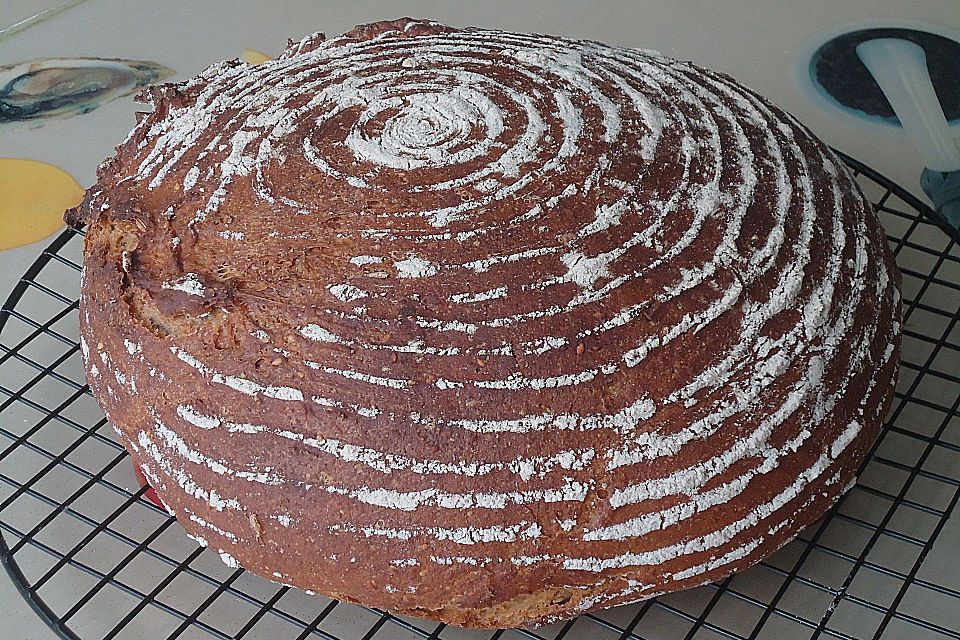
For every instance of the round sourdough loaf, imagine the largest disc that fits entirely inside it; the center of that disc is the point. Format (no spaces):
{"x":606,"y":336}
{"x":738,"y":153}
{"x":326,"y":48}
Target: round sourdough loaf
{"x":485,"y":327}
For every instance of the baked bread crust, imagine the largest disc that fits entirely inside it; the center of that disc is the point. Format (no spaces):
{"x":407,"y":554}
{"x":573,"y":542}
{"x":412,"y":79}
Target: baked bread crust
{"x":485,"y":327}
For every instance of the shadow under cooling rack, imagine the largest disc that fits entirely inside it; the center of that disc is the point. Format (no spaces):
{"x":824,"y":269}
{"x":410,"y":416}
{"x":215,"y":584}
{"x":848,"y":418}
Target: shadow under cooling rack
{"x":98,"y":561}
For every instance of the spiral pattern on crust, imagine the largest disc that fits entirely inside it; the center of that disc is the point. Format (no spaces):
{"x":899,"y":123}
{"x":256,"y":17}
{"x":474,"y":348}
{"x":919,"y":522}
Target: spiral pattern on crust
{"x":501,"y":315}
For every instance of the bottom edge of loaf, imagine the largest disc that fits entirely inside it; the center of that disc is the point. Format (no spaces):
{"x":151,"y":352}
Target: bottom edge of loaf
{"x":558,"y":603}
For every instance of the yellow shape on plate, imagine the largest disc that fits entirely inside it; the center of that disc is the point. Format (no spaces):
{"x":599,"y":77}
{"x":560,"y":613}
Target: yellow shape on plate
{"x":33,"y":197}
{"x":252,"y":56}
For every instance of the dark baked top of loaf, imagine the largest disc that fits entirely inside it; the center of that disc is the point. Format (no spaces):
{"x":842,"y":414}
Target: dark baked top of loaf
{"x":458,"y":299}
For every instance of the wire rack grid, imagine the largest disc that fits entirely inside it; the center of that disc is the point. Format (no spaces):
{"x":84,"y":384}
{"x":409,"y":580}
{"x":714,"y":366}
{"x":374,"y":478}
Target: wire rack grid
{"x":96,"y":560}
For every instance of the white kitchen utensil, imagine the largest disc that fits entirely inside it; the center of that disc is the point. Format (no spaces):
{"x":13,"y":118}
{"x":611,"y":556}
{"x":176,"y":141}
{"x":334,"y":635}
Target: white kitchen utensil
{"x":900,"y":68}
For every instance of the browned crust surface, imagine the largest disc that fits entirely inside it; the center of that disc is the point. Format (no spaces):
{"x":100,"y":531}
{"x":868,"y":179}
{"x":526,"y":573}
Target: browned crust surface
{"x":483,"y":327}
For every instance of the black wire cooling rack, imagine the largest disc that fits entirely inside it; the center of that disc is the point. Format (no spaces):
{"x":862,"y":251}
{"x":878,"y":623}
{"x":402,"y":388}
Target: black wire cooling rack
{"x":96,"y":560}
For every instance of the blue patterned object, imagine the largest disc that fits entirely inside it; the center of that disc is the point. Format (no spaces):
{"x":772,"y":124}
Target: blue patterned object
{"x":943,"y":188}
{"x":56,"y":87}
